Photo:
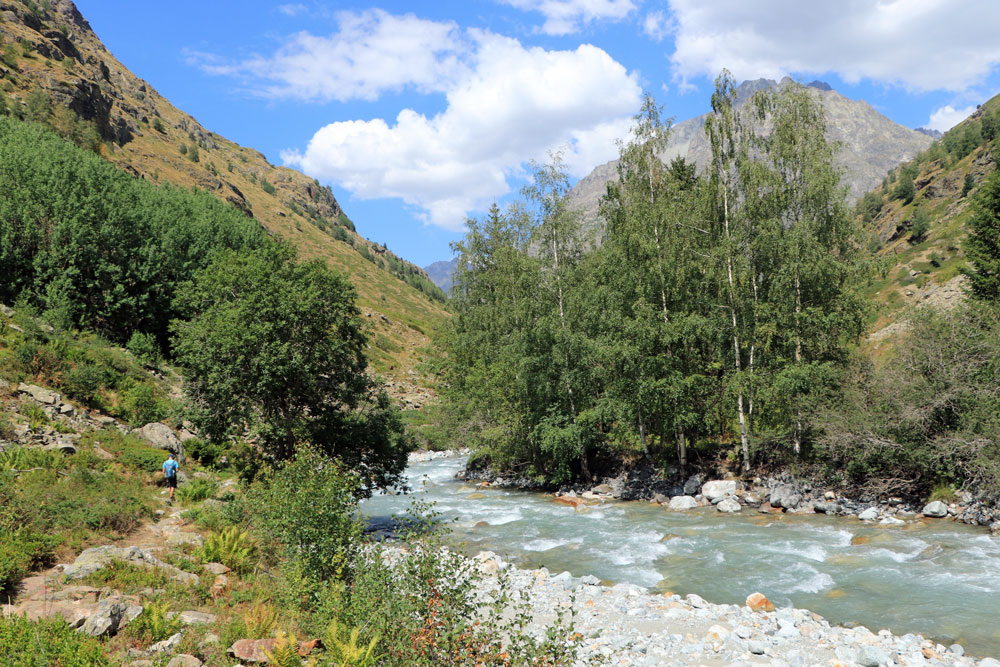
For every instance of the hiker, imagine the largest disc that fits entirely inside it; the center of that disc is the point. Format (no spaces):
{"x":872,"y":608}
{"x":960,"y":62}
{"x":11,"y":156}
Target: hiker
{"x":170,"y":472}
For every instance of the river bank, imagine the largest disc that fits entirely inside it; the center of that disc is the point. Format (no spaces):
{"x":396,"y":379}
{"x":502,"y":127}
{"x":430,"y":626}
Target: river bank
{"x":773,"y":493}
{"x":627,"y":625}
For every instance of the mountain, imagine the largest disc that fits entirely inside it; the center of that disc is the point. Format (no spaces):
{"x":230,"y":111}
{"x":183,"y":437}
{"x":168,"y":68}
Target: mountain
{"x":55,"y":70}
{"x":441,"y":272}
{"x":871,"y":144}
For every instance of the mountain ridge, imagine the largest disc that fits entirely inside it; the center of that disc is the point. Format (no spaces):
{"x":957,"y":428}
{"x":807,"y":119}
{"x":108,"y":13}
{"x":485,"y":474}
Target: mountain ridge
{"x":51,"y":49}
{"x":871,"y":144}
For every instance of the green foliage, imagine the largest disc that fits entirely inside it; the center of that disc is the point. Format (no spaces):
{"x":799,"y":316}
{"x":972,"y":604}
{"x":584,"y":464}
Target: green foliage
{"x":153,"y":624}
{"x":232,"y":547}
{"x":21,"y":551}
{"x":267,"y":187}
{"x":25,"y":643}
{"x":708,"y":295}
{"x":196,"y":490}
{"x":130,"y":451}
{"x":344,"y":648}
{"x":277,"y":347}
{"x":928,"y":416}
{"x":904,"y":190}
{"x":920,"y":224}
{"x":869,"y":206}
{"x":140,"y":404}
{"x":143,"y":347}
{"x":107,"y":248}
{"x":158,"y":126}
{"x":206,"y":452}
{"x":968,"y":184}
{"x":306,"y":511}
{"x":285,"y":652}
{"x":982,"y":246}
{"x":25,"y":458}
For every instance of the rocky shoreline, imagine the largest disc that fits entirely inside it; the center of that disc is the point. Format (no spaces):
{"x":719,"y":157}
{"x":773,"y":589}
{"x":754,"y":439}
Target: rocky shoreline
{"x":773,"y":494}
{"x":627,"y":625}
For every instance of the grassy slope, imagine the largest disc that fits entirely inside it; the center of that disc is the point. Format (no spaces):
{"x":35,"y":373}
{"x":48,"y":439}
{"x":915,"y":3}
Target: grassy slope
{"x":914,"y":273}
{"x":299,"y":210}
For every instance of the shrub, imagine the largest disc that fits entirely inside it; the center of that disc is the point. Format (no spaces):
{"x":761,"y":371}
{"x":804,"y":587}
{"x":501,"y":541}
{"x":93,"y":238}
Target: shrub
{"x":196,"y":490}
{"x":232,"y":547}
{"x":21,"y":551}
{"x":140,"y":405}
{"x":267,"y":187}
{"x":143,"y":347}
{"x":25,"y":643}
{"x":206,"y":452}
{"x":132,"y":452}
{"x":26,"y":458}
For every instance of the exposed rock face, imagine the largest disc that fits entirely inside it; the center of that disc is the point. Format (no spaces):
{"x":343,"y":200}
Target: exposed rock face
{"x":441,"y":273}
{"x":161,"y":436}
{"x":93,"y":559}
{"x":785,"y":495}
{"x":718,"y":489}
{"x":871,"y":144}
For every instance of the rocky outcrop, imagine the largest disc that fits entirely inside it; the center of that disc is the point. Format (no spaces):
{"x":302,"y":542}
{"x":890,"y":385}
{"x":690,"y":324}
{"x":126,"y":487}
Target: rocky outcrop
{"x":93,"y":559}
{"x":870,"y":145}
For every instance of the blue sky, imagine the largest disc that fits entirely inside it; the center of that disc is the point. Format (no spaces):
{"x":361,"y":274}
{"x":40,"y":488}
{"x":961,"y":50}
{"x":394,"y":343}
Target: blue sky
{"x":420,"y":114}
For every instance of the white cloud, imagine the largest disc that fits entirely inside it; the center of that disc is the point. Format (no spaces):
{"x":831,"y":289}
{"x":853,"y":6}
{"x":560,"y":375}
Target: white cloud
{"x":947,"y":117}
{"x":926,"y":45}
{"x":373,"y":52}
{"x":292,"y":9}
{"x":509,"y":104}
{"x":658,"y":25}
{"x":563,"y":17}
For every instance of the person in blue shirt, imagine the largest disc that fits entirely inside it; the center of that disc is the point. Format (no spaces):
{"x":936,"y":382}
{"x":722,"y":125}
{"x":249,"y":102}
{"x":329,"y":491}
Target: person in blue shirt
{"x":170,"y":472}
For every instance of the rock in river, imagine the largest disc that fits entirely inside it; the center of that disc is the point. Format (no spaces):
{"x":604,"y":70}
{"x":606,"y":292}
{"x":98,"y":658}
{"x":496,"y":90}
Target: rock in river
{"x":936,"y":509}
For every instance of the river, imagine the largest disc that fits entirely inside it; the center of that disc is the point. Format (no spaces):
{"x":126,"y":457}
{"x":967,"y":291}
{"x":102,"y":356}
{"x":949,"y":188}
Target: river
{"x":934,"y":577}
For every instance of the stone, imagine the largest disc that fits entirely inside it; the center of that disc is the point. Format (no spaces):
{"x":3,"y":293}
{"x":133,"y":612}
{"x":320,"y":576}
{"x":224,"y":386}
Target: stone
{"x":215,"y":568}
{"x":572,"y":501}
{"x":212,"y":504}
{"x":66,"y":448}
{"x":93,"y":559}
{"x":181,"y":539}
{"x":161,"y":436}
{"x":40,"y":394}
{"x":251,"y":650}
{"x":220,"y":585}
{"x":826,"y":507}
{"x":891,"y":521}
{"x":718,"y":489}
{"x":680,"y":503}
{"x":103,"y":453}
{"x":193,"y":617}
{"x":935,"y":510}
{"x":167,"y":646}
{"x":956,"y":649}
{"x":67,"y":410}
{"x":696,"y":601}
{"x":869,"y":514}
{"x":74,"y":612}
{"x":873,"y":656}
{"x":717,"y":633}
{"x":757,"y":602}
{"x":995,"y":528}
{"x":988,"y":662}
{"x":692,"y":485}
{"x":184,"y":660}
{"x":785,"y":495}
{"x":756,"y":647}
{"x":106,"y":621}
{"x":603,"y":489}
{"x":729,"y":505}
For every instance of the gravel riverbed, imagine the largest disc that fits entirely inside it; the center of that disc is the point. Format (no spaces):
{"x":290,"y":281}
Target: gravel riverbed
{"x":627,"y":625}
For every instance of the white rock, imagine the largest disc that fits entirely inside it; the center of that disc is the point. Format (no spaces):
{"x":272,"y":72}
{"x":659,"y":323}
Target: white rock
{"x":729,"y":505}
{"x":718,"y":488}
{"x":936,"y":509}
{"x":891,"y":521}
{"x":869,"y":514}
{"x":680,"y":503}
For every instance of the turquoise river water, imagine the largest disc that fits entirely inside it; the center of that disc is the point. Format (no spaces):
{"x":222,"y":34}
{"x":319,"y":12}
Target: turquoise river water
{"x":933,"y":577}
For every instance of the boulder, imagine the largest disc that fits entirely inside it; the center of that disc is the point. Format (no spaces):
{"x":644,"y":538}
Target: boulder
{"x":680,"y":503}
{"x":572,"y":501}
{"x":161,"y":436}
{"x":826,"y":507}
{"x":692,"y":485}
{"x":93,"y":559}
{"x":729,"y":505}
{"x":891,"y":521}
{"x":215,"y":568}
{"x":873,"y":656}
{"x":167,"y":646}
{"x":936,"y":510}
{"x":112,"y":614}
{"x":193,"y":617}
{"x":61,"y":446}
{"x":785,"y":495}
{"x":718,"y":489}
{"x":180,"y":539}
{"x":603,"y":489}
{"x":869,"y":514}
{"x":40,"y":394}
{"x":255,"y":650}
{"x":757,"y":602}
{"x":74,"y":612}
{"x":184,"y":660}
{"x":67,"y":410}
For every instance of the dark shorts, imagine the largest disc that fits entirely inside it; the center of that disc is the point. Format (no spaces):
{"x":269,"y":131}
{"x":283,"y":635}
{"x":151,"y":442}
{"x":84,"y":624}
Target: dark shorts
{"x":172,"y":482}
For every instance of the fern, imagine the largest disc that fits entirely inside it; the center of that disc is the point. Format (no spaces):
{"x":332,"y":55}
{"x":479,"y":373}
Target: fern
{"x":23,"y":458}
{"x":285,"y":652}
{"x":233,"y":547}
{"x":348,"y":653}
{"x":260,"y":620}
{"x":153,"y":624}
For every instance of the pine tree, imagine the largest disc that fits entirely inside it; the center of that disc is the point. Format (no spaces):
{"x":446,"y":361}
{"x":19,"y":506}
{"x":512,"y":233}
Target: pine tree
{"x":982,"y":247}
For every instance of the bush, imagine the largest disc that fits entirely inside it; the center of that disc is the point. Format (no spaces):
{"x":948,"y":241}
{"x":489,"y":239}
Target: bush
{"x":308,"y":510}
{"x":206,"y":452}
{"x":196,"y":490}
{"x":25,"y":643}
{"x":153,"y":624}
{"x":232,"y":547}
{"x":21,"y":551}
{"x":130,"y":451}
{"x":143,"y":347}
{"x":140,"y":405}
